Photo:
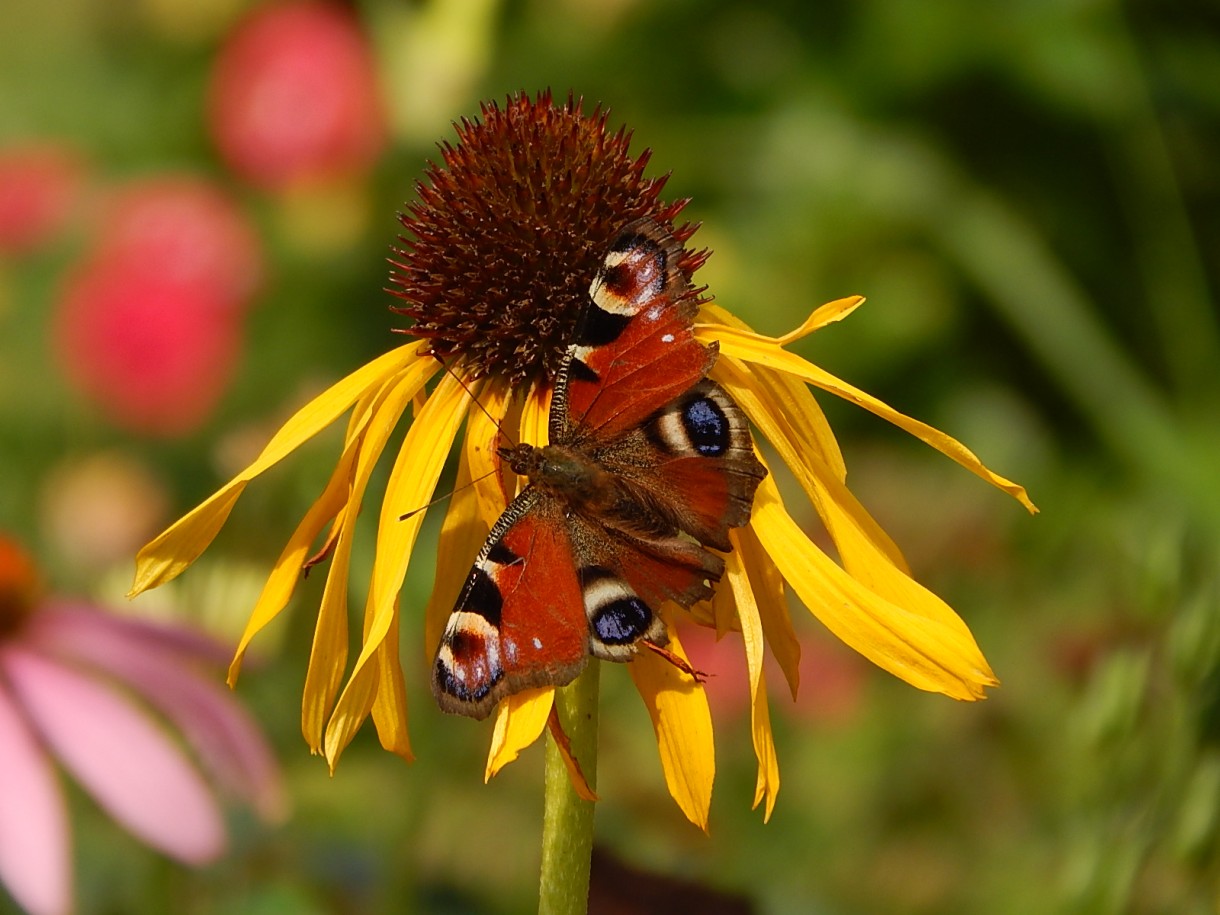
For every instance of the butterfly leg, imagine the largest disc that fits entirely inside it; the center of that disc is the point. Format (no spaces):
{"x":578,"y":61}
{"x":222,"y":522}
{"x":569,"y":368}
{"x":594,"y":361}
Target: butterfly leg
{"x":677,"y":661}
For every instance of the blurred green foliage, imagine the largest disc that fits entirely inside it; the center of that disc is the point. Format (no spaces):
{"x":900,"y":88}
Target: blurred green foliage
{"x":1027,"y":192}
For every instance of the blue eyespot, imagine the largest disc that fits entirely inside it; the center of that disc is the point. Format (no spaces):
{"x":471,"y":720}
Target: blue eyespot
{"x":706,"y":426}
{"x":622,"y":621}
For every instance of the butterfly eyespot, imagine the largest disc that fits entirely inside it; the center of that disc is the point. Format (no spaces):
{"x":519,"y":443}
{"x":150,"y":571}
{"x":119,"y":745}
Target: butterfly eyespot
{"x":617,"y":615}
{"x":622,"y":622}
{"x":706,"y":426}
{"x":468,"y":663}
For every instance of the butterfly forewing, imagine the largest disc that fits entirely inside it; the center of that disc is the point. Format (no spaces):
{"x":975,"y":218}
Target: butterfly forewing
{"x":635,"y":349}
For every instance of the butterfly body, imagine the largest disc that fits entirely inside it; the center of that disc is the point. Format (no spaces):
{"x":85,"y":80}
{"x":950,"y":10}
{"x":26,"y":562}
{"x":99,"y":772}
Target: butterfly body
{"x":649,"y":465}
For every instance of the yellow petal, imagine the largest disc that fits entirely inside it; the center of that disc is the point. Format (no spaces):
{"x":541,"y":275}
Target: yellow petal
{"x":484,"y":437}
{"x":683,"y":725}
{"x":282,"y":581}
{"x":712,"y":317}
{"x":535,"y":416}
{"x":823,"y":315}
{"x":166,"y":556}
{"x":866,"y":551}
{"x":576,"y":775}
{"x":465,"y":527}
{"x":412,"y":480}
{"x":390,"y":704}
{"x":520,"y":719}
{"x":767,"y":784}
{"x":462,"y":536}
{"x":723,"y":611}
{"x":907,"y":641}
{"x":328,"y":654}
{"x":764,"y":351}
{"x":825,"y":488}
{"x":772,"y":606}
{"x":788,"y":397}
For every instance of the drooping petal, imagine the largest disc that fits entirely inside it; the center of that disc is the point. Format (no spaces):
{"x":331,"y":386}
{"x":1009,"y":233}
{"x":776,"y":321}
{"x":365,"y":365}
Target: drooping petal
{"x":412,"y":480}
{"x":772,"y":606}
{"x":765,"y":351}
{"x":683,"y":724}
{"x":34,"y":839}
{"x":486,"y":428}
{"x":328,"y":654}
{"x":287,"y":571}
{"x":167,"y":555}
{"x":787,"y":397}
{"x":390,"y":702}
{"x":328,"y":650}
{"x":825,"y":488}
{"x":767,"y":785}
{"x":120,"y":756}
{"x":220,"y":731}
{"x":867,"y":552}
{"x":823,"y":315}
{"x":723,"y":612}
{"x":907,"y":641}
{"x":520,"y":719}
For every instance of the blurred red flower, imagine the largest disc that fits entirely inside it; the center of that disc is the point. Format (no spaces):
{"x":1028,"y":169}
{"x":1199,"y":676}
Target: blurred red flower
{"x":186,"y":230}
{"x":294,"y":97}
{"x":149,"y":327}
{"x":153,"y":353}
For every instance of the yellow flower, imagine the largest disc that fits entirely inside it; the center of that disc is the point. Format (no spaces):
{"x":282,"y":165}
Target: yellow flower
{"x":505,"y":239}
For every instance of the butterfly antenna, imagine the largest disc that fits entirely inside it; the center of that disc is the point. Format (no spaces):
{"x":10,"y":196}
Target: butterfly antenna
{"x":425,"y":507}
{"x":474,"y":398}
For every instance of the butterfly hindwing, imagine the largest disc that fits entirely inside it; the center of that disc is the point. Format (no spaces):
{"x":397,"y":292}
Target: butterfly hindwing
{"x":700,"y":463}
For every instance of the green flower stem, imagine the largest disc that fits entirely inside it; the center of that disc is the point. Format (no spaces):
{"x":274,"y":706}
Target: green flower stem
{"x":567,"y":820}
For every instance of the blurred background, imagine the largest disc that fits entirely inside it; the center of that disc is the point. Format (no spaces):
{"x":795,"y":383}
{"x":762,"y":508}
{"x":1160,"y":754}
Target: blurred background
{"x":1026,"y":193}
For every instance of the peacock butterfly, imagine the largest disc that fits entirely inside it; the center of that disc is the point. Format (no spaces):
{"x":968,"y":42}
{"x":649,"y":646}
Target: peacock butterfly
{"x":649,"y":464}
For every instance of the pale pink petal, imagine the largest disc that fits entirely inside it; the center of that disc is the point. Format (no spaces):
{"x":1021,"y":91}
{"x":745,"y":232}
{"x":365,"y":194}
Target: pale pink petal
{"x":219,"y":730}
{"x":180,"y":640}
{"x":120,"y":756}
{"x":34,"y":863}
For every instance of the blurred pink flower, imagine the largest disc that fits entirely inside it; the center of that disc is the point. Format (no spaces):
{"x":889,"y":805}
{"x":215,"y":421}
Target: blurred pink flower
{"x":149,"y":326}
{"x":70,"y":676}
{"x":832,"y":679}
{"x":188,"y":231}
{"x":39,"y":184}
{"x":294,"y":96}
